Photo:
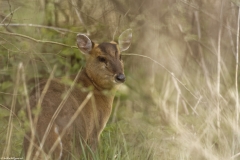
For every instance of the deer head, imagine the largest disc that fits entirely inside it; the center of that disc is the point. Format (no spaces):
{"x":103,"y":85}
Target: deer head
{"x":104,"y":65}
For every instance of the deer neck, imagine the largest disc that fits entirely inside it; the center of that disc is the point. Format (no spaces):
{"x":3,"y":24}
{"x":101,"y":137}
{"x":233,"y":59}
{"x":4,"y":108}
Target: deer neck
{"x":88,"y":82}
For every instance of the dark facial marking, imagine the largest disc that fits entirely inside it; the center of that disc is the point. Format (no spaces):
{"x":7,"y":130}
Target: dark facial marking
{"x":108,"y":48}
{"x":111,"y":50}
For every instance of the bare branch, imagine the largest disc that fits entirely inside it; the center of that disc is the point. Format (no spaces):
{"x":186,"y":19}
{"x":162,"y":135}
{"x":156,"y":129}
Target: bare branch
{"x":78,"y":14}
{"x":36,"y":40}
{"x":8,"y":16}
{"x":42,"y":26}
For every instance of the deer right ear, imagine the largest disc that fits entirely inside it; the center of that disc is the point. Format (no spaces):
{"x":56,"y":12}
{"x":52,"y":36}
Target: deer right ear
{"x":84,"y":43}
{"x":124,"y":40}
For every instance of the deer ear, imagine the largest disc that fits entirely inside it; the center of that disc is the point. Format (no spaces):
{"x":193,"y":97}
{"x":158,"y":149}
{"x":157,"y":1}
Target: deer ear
{"x":84,"y":43}
{"x":124,"y":40}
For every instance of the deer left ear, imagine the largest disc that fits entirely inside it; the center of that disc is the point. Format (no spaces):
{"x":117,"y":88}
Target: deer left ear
{"x":84,"y":43}
{"x":124,"y":40}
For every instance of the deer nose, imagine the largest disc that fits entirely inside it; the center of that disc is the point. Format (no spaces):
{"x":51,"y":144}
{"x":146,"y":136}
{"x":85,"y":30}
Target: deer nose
{"x":120,"y":78}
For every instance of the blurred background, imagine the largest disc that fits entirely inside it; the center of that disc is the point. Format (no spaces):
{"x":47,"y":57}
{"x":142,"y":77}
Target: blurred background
{"x":180,"y":99}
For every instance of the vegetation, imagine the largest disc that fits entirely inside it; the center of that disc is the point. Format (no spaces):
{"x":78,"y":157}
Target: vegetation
{"x":181,"y":97}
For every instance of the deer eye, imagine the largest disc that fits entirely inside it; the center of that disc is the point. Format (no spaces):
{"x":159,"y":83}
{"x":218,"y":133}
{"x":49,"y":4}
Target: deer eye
{"x":102,"y":59}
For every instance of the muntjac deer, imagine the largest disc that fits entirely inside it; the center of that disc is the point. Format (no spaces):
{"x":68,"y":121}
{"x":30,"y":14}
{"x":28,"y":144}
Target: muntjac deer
{"x":73,"y":121}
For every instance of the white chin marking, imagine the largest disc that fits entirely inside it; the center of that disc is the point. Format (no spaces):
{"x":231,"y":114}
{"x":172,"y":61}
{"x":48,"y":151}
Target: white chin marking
{"x":114,"y":81}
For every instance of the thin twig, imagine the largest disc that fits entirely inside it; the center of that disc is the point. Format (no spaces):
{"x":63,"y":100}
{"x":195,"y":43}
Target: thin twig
{"x":8,"y":16}
{"x":12,"y":114}
{"x":171,"y":73}
{"x":78,"y":14}
{"x":9,"y":93}
{"x":18,"y":50}
{"x":10,"y":8}
{"x":41,"y":26}
{"x":36,"y":40}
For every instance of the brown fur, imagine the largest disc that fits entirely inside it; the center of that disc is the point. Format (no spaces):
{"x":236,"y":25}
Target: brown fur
{"x":103,"y":66}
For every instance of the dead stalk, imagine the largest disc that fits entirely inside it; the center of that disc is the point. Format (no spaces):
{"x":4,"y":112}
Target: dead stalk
{"x":57,"y":112}
{"x":219,"y":69}
{"x":200,"y":50}
{"x":7,"y":148}
{"x":178,"y":98}
{"x":115,"y":110}
{"x":236,"y":72}
{"x":34,"y":122}
{"x":90,"y":94}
